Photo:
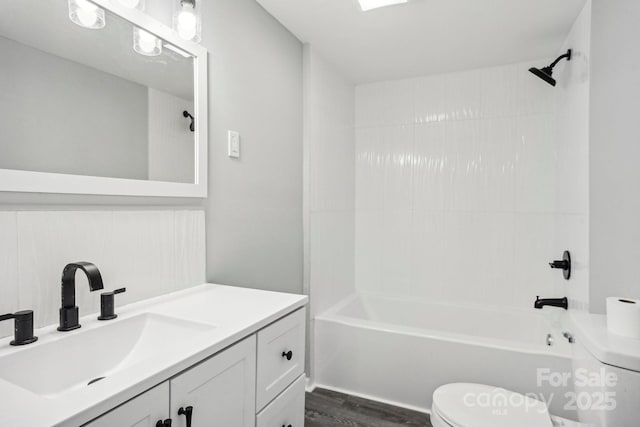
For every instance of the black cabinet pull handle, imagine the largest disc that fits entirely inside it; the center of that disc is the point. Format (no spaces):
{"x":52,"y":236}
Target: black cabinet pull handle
{"x":165,"y":423}
{"x":188,"y":413}
{"x":286,"y":426}
{"x":288,"y":355}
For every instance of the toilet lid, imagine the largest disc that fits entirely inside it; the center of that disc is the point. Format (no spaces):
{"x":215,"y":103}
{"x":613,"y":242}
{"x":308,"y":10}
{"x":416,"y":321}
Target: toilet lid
{"x":478,"y":405}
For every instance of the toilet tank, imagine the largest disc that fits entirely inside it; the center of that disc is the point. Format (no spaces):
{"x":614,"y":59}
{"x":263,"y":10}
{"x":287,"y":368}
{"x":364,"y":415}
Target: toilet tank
{"x":605,"y":377}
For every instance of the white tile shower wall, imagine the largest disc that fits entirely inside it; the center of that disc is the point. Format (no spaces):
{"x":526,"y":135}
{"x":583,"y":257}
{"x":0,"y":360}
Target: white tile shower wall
{"x":149,"y":252}
{"x":330,"y":152}
{"x":572,"y":171}
{"x":456,"y":187}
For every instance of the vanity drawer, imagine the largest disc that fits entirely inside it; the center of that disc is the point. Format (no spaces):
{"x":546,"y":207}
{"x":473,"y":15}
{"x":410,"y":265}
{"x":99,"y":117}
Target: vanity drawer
{"x":287,"y":409}
{"x":280,"y":356}
{"x":142,"y":411}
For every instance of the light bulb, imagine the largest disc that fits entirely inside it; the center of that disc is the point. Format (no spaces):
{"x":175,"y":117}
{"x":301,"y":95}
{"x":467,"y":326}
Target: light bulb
{"x":187,"y":22}
{"x":86,"y":14}
{"x":146,"y":43}
{"x":87,"y":18}
{"x":86,"y":6}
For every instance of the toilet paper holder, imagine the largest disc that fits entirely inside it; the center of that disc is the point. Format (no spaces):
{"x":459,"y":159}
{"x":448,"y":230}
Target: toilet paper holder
{"x":564,"y":264}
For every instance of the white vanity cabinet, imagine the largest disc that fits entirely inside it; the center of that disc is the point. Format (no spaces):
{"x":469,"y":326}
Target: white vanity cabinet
{"x":258,"y":381}
{"x":221,"y":390}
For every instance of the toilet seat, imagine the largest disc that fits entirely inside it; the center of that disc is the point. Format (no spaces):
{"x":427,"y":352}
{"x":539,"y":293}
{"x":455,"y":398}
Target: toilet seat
{"x":479,"y":405}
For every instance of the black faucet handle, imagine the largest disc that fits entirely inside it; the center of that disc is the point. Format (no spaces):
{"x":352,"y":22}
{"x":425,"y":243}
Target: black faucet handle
{"x":107,"y":304}
{"x":23,"y":329}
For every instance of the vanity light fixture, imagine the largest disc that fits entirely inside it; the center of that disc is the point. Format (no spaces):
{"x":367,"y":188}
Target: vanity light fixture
{"x":374,"y":4}
{"x":187,"y":20}
{"x":130,"y":4}
{"x":86,"y":14}
{"x":146,"y":43}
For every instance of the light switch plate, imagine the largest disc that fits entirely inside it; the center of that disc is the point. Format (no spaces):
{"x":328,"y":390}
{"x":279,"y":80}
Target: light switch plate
{"x":234,"y":144}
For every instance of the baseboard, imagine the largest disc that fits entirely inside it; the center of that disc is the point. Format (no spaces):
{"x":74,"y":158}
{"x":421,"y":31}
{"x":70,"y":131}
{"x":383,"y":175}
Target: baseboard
{"x":368,"y":397}
{"x":310,"y":385}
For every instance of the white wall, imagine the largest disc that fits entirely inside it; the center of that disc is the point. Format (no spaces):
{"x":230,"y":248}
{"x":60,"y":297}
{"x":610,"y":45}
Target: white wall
{"x":254,"y":209}
{"x":149,"y":252}
{"x":614,"y":151}
{"x":572,"y":164}
{"x":457,"y":180}
{"x":171,"y":142}
{"x":99,"y":129}
{"x":329,"y":185}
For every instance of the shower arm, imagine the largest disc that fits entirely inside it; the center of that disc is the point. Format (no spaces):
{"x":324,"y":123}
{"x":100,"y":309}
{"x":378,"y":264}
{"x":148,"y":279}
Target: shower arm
{"x":560,"y":58}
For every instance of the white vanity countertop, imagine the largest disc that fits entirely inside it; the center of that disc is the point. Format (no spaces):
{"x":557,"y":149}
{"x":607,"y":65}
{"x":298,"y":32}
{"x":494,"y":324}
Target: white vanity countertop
{"x":234,"y":312}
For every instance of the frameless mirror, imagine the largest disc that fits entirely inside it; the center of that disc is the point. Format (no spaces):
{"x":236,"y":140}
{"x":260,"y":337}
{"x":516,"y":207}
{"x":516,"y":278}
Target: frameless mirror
{"x":115,"y":102}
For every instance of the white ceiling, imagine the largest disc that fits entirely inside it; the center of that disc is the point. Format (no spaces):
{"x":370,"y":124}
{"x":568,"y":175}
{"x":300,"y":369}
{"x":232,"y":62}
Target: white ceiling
{"x":427,"y":36}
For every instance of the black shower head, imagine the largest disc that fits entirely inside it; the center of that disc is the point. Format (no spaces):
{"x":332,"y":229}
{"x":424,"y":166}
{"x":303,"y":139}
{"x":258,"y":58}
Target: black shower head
{"x":546,"y":73}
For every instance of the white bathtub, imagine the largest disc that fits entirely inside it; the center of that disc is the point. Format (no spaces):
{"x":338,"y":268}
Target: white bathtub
{"x":399,"y":351}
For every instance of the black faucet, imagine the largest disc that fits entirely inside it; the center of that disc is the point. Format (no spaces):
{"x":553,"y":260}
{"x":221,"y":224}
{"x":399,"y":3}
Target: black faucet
{"x":23,"y":327}
{"x":69,"y":311}
{"x":554,"y":302}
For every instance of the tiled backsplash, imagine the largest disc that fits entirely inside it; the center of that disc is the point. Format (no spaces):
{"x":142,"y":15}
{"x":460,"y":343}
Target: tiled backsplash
{"x":457,"y":184}
{"x":149,"y":252}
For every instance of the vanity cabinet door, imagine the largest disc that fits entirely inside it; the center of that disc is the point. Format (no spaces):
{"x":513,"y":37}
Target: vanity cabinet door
{"x":142,"y":411}
{"x":221,"y":390}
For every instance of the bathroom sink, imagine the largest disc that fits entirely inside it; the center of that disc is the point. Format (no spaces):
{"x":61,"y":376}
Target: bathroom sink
{"x":79,"y":359}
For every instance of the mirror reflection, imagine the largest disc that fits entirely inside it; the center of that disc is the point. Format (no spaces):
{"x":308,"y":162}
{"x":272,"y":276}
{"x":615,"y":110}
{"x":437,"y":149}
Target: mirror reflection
{"x":94,"y":96}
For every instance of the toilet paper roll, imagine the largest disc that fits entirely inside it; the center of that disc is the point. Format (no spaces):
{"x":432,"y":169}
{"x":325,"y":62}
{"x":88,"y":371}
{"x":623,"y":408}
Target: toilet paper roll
{"x":623,"y":317}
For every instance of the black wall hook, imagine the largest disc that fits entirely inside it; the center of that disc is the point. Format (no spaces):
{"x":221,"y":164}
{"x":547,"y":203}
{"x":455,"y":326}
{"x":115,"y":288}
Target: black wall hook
{"x":192,"y":127}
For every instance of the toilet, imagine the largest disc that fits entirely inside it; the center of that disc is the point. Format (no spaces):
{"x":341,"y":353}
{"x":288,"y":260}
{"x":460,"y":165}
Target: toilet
{"x":479,"y":405}
{"x":595,"y":354}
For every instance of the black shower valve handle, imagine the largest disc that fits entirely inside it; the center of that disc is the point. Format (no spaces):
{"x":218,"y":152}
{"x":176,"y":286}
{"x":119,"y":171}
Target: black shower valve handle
{"x":564,"y":264}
